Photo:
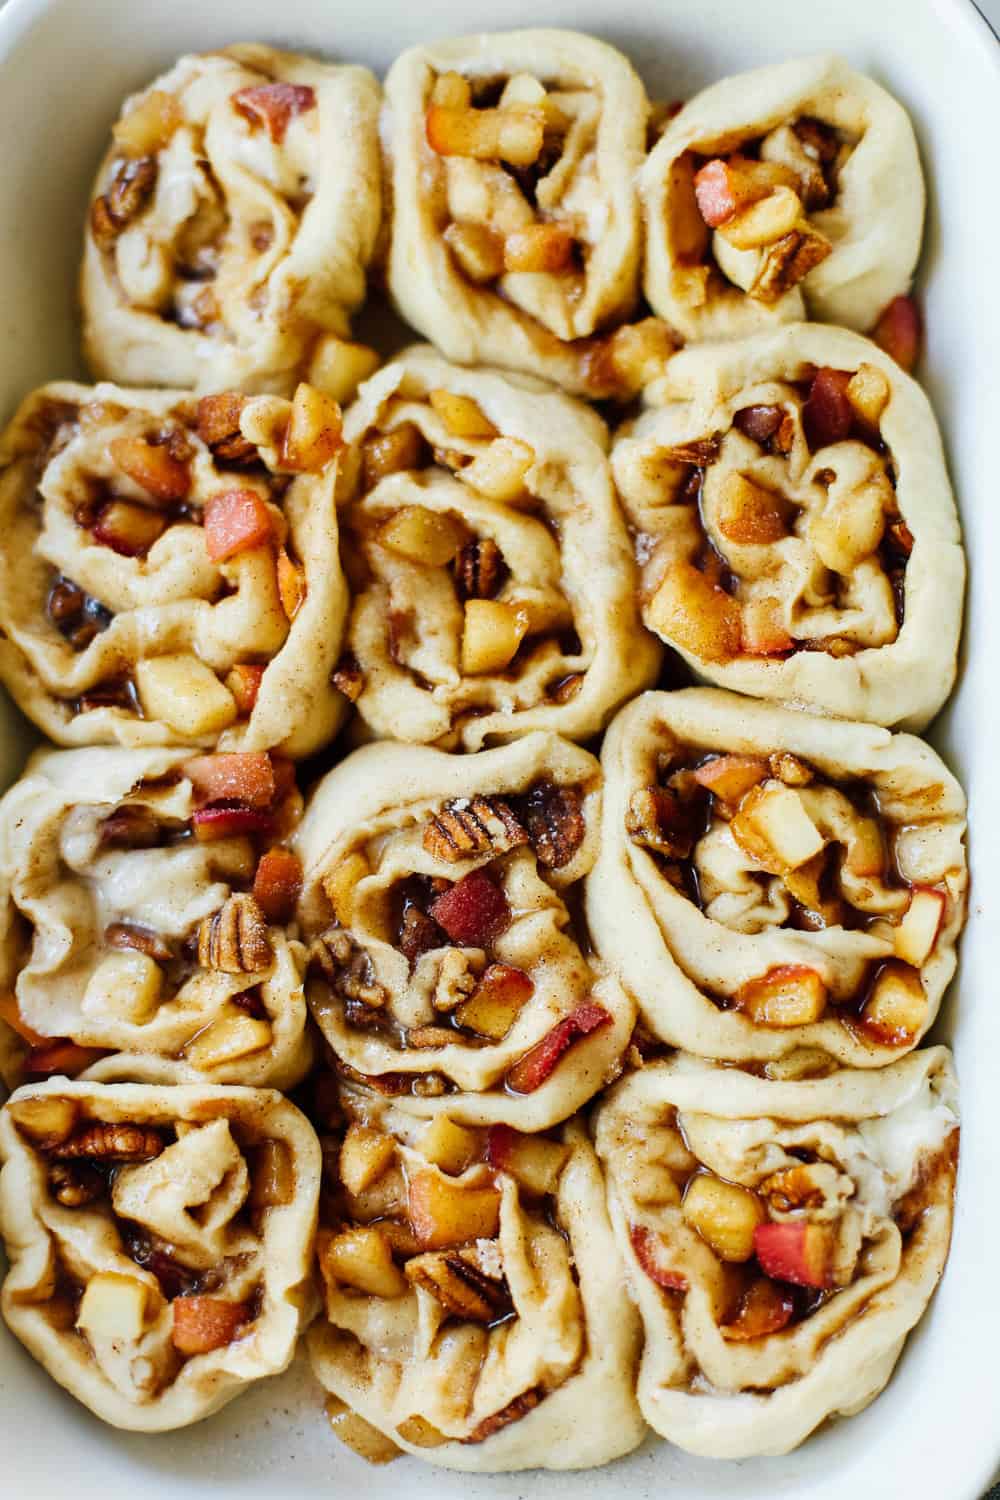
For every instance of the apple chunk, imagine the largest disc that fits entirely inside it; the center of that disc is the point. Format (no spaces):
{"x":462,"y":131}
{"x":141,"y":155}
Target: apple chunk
{"x":236,"y":521}
{"x":533,"y":1160}
{"x":919,"y":927}
{"x":473,"y":912}
{"x":765,"y":1307}
{"x":652,"y":1255}
{"x":444,"y":1213}
{"x":896,"y":1010}
{"x":798,"y":1252}
{"x":496,"y":1002}
{"x":898,"y":331}
{"x":361,"y":1258}
{"x":246,"y":777}
{"x":724,"y":1214}
{"x":114,"y":1307}
{"x":449,"y":1146}
{"x":787,"y":995}
{"x":731,"y":776}
{"x":276,"y":884}
{"x":201,"y":1324}
{"x":774,"y":829}
{"x":365,"y":1155}
{"x":693,"y":613}
{"x":532,"y":1070}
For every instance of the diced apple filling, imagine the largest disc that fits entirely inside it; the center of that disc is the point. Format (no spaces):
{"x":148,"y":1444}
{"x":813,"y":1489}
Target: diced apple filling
{"x":361,"y":1258}
{"x":697,"y":615}
{"x":449,"y":1146}
{"x":799,"y":1252}
{"x":462,"y":416}
{"x":444,"y":1213}
{"x":896,"y":1010}
{"x":496,"y":1002}
{"x":533,"y":1160}
{"x":114,"y":1307}
{"x":724,"y":1214}
{"x":774,"y":828}
{"x":185,"y":694}
{"x":730,"y":777}
{"x":917,"y":931}
{"x":364,"y":1156}
{"x":788,"y":995}
{"x":203,"y":1324}
{"x":423,"y":536}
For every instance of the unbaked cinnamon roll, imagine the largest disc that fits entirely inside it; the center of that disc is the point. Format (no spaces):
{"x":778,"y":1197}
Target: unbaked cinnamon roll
{"x":494,"y":591}
{"x":159,"y":1242}
{"x":515,"y":217}
{"x":781,"y":1239}
{"x":146,"y":899}
{"x":797,"y":532}
{"x":473,"y":1306}
{"x":793,"y":190}
{"x":446,"y":965}
{"x":231,"y":225}
{"x":169,"y":571}
{"x":776,"y":886}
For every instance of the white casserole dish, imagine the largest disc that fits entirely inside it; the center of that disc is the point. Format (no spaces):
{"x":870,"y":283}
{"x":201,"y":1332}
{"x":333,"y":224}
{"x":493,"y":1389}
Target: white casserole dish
{"x":64,"y":67}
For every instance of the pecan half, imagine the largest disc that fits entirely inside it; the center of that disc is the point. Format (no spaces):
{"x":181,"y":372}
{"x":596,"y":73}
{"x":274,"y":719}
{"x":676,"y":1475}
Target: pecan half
{"x":794,"y":1187}
{"x":479,"y":570}
{"x":235,"y":940}
{"x":418,"y":933}
{"x":458,"y":1283}
{"x":513,"y":1412}
{"x":74,"y":1185}
{"x":700,"y":452}
{"x":553,"y":816}
{"x":142,"y":939}
{"x":348,"y":968}
{"x":219,"y":428}
{"x":657,"y":818}
{"x":103,"y":1142}
{"x":473,"y":825}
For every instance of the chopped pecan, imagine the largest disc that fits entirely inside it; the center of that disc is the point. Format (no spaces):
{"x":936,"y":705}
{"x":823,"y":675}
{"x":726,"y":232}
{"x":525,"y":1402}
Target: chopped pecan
{"x":794,"y":1187}
{"x":130,"y":828}
{"x":479,"y":570}
{"x":235,"y":940}
{"x":700,"y":452}
{"x":418,"y":933}
{"x":785,"y":262}
{"x":349,"y":969}
{"x":428,"y":1085}
{"x":469,"y":826}
{"x":348,"y":678}
{"x":131,"y":188}
{"x":789,"y":769}
{"x":513,"y":1412}
{"x":658,"y":818}
{"x":219,"y":428}
{"x":454,"y":1277}
{"x":142,"y":939}
{"x":111,"y":1143}
{"x":431,"y":1036}
{"x":553,"y":816}
{"x":456,"y":980}
{"x":74,"y":1184}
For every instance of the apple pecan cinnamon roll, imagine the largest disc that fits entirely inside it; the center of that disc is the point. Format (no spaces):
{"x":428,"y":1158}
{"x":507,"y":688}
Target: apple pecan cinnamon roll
{"x":445,"y":963}
{"x":231,"y":224}
{"x":474,"y":1314}
{"x":796,"y":528}
{"x":781,"y":1239}
{"x":159,"y":1241}
{"x":493,"y":588}
{"x":794,"y":190}
{"x":145,"y":898}
{"x":515,"y":228}
{"x":169,"y":571}
{"x":772,"y":885}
